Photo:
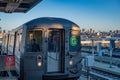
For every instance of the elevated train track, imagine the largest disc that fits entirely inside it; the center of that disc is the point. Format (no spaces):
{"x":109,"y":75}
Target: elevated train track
{"x":102,"y":71}
{"x":97,"y":73}
{"x":105,"y":74}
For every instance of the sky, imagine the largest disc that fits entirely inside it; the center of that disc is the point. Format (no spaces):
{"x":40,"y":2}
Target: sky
{"x":101,"y":15}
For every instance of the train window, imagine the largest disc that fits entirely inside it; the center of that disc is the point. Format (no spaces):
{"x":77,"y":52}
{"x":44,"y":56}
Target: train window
{"x":6,"y":41}
{"x":34,"y":41}
{"x":11,"y":44}
{"x":54,"y":41}
{"x":18,"y":41}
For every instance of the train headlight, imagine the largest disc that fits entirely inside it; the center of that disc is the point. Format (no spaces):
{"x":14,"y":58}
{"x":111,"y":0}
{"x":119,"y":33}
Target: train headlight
{"x":39,"y":64}
{"x":71,"y":62}
{"x":39,"y":60}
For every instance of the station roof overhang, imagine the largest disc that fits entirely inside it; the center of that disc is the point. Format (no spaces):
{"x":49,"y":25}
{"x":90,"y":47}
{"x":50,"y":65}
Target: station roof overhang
{"x":10,"y":6}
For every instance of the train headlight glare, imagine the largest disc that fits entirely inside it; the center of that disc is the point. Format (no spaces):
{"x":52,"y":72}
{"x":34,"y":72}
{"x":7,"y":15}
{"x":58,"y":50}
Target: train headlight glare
{"x":39,"y":64}
{"x":71,"y":62}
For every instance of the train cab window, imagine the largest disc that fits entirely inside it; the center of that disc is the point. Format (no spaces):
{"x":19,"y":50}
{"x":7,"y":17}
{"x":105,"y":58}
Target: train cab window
{"x":34,"y":41}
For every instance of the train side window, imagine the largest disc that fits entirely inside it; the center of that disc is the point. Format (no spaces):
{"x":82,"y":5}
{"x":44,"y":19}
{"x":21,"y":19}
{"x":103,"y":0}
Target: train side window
{"x":6,"y":42}
{"x":34,"y":41}
{"x":3,"y":41}
{"x":11,"y":44}
{"x":18,"y":40}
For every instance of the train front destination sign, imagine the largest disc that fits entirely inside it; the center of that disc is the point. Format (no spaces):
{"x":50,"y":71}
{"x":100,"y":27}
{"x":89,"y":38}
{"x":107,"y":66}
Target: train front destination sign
{"x":10,"y":6}
{"x":73,"y":41}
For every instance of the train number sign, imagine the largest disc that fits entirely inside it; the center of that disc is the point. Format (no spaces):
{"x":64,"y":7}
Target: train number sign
{"x":73,"y":41}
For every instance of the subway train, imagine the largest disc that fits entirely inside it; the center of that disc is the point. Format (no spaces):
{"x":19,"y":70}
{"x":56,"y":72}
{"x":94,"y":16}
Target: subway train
{"x":45,"y":48}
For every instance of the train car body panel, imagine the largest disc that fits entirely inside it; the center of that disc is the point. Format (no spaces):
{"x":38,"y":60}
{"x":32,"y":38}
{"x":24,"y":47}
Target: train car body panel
{"x":55,"y":53}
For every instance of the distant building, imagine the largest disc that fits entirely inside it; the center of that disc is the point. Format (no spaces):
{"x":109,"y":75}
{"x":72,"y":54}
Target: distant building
{"x":0,"y":30}
{"x":4,"y":31}
{"x":90,"y":30}
{"x":83,"y":30}
{"x":118,"y":31}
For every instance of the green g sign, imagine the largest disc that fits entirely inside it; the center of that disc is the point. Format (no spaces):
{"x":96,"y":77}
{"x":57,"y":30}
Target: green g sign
{"x":73,"y":41}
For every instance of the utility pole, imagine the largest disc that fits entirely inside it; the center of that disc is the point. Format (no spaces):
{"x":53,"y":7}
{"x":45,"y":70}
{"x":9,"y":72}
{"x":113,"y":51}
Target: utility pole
{"x":93,"y":47}
{"x":112,"y":46}
{"x":88,"y":73}
{"x":0,"y":28}
{"x":111,"y":50}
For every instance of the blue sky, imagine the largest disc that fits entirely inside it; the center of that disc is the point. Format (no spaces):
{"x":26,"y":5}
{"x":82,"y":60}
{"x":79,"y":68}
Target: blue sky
{"x":101,"y":15}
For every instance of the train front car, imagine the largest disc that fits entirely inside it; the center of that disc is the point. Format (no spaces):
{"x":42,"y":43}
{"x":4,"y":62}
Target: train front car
{"x":52,"y":50}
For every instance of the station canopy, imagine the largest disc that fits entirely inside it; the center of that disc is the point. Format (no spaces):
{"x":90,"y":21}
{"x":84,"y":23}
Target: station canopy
{"x":10,"y":6}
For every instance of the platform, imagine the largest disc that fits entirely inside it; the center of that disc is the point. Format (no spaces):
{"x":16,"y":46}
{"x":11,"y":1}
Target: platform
{"x":10,"y":6}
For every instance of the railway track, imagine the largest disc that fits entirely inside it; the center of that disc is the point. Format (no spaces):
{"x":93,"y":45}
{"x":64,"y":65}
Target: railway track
{"x":97,"y":74}
{"x":105,"y":59}
{"x":102,"y":74}
{"x":107,"y":74}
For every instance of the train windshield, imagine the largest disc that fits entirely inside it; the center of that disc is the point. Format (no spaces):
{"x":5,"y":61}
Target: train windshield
{"x":34,"y":41}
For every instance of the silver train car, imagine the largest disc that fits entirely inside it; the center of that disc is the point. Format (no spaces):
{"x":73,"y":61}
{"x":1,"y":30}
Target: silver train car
{"x":45,"y":49}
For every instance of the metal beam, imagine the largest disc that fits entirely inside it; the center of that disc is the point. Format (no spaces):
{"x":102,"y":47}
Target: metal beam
{"x":10,"y":6}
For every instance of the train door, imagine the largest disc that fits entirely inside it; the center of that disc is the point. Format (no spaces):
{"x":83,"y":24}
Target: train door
{"x":55,"y":53}
{"x":34,"y":61}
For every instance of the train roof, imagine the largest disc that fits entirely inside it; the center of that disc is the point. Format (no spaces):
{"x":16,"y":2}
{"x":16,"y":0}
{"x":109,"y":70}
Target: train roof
{"x":50,"y":21}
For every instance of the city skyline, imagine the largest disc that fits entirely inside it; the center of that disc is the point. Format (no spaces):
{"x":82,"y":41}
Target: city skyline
{"x":101,"y":15}
{"x":93,"y":30}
